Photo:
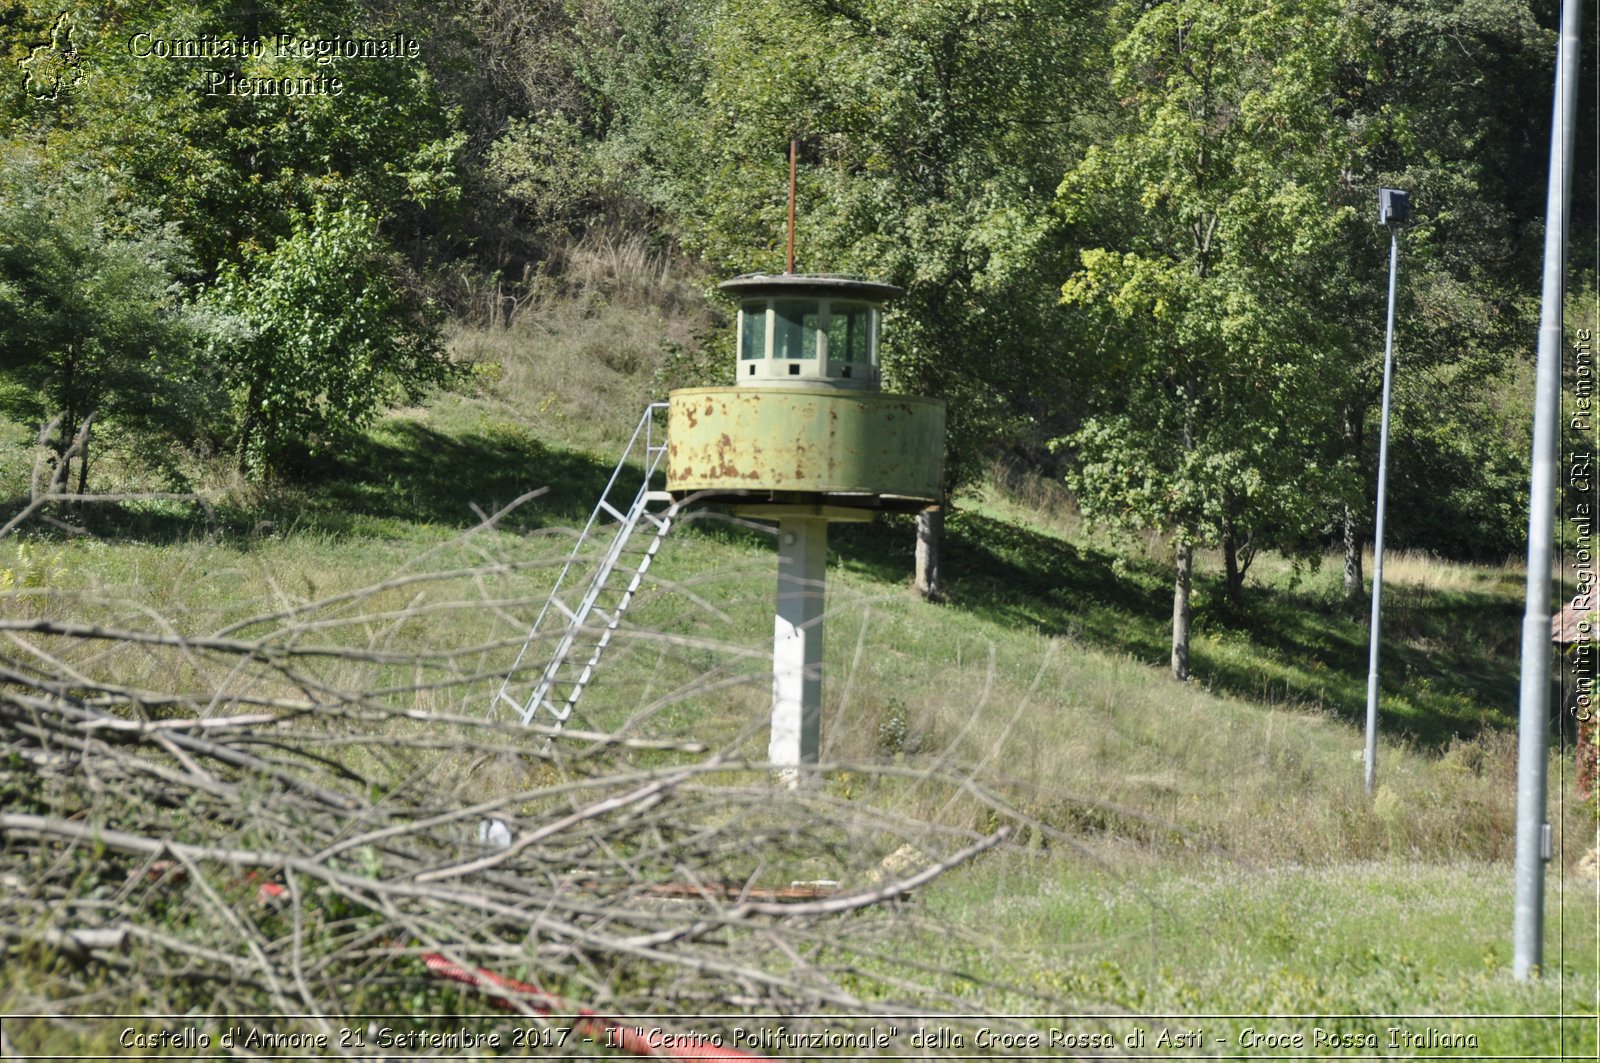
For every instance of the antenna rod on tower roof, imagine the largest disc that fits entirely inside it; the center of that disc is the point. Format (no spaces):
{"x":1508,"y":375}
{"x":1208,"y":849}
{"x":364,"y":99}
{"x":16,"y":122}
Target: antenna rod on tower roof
{"x":790,"y":269}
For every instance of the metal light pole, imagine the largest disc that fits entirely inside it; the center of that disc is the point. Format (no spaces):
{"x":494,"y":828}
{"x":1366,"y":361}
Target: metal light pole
{"x":1394,"y":210}
{"x":1533,"y":741}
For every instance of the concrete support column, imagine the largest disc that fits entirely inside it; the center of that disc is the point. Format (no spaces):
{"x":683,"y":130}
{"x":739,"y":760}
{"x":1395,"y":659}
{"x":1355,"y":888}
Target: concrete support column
{"x":797,"y":644}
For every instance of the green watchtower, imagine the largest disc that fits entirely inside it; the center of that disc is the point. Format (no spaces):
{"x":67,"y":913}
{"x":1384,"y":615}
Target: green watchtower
{"x":805,"y":437}
{"x":805,"y":423}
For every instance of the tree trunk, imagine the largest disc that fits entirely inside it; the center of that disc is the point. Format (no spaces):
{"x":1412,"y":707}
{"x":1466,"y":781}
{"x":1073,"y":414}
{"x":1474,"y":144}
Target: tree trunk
{"x":1180,"y":612}
{"x":1353,"y":582}
{"x":1185,"y":576}
{"x":247,"y":430}
{"x":929,"y":582}
{"x":83,"y":459}
{"x":1233,"y":574}
{"x":63,"y":448}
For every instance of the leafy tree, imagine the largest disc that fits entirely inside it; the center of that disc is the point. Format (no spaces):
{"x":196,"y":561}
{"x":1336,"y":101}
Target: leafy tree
{"x":234,"y":168}
{"x":91,"y":317}
{"x":932,"y":133}
{"x":546,"y":165}
{"x":1201,"y":224}
{"x":246,"y":179}
{"x":326,"y":336}
{"x":1454,"y":108}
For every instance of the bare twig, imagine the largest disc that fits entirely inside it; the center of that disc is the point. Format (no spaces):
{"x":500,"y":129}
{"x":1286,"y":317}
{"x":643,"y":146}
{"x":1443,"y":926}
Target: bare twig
{"x":289,"y":805}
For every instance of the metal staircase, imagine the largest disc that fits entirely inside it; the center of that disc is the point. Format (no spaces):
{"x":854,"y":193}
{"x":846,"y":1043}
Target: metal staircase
{"x":578,"y":650}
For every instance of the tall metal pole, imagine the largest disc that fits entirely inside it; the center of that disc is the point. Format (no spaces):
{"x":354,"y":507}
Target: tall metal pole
{"x":1533,"y":742}
{"x":1371,"y":759}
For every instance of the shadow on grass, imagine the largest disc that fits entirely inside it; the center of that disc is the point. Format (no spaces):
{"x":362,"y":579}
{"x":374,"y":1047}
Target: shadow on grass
{"x":1449,"y":658}
{"x":408,"y":472}
{"x":1022,"y":579}
{"x":1446,"y":666}
{"x":400,"y":475}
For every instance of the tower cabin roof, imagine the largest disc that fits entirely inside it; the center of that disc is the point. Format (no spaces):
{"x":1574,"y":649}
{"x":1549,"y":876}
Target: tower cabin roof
{"x":822,"y":285}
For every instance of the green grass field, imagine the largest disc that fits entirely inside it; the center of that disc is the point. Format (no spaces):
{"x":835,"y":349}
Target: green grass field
{"x":1202,"y":852}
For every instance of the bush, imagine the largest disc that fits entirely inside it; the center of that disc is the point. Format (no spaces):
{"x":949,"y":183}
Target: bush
{"x":324,"y":336}
{"x":91,"y":319}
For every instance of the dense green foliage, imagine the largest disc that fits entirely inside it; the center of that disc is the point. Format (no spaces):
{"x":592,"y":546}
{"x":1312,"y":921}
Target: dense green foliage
{"x":1446,"y":118}
{"x":202,"y":182}
{"x":326,"y":337}
{"x":1215,"y":204}
{"x":1144,"y":231}
{"x":90,"y":318}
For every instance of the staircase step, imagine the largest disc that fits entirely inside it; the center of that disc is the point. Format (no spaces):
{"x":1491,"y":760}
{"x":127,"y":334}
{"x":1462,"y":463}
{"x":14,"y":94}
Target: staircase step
{"x":582,"y":639}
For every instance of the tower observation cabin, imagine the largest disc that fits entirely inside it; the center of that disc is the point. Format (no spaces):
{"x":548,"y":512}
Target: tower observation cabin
{"x":808,"y":331}
{"x":804,"y":438}
{"x":806,"y":424}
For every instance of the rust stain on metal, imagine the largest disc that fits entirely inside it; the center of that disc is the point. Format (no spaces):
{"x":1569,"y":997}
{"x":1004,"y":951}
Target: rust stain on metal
{"x":810,"y":440}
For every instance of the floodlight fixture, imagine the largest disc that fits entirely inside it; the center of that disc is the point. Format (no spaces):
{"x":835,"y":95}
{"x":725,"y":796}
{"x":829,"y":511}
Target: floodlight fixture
{"x":1394,"y":207}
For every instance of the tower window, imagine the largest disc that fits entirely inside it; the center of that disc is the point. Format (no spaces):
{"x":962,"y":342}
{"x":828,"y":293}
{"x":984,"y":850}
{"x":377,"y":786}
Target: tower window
{"x":850,"y":334}
{"x":795,"y":326}
{"x":753,"y":331}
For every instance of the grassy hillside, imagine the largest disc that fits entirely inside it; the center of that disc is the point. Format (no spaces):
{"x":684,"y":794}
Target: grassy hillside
{"x":1203,"y":849}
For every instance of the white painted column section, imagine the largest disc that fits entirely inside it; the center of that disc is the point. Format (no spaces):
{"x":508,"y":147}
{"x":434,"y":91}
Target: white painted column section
{"x":797,"y":645}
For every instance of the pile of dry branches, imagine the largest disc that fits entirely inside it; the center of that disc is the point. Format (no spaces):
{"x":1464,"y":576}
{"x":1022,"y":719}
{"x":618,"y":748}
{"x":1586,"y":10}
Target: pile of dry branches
{"x":260,"y":820}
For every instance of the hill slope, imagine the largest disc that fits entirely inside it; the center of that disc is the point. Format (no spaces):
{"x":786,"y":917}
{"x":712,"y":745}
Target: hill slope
{"x":1199,"y":848}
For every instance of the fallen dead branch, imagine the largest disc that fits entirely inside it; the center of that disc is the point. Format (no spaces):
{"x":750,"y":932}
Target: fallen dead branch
{"x":269,"y":824}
